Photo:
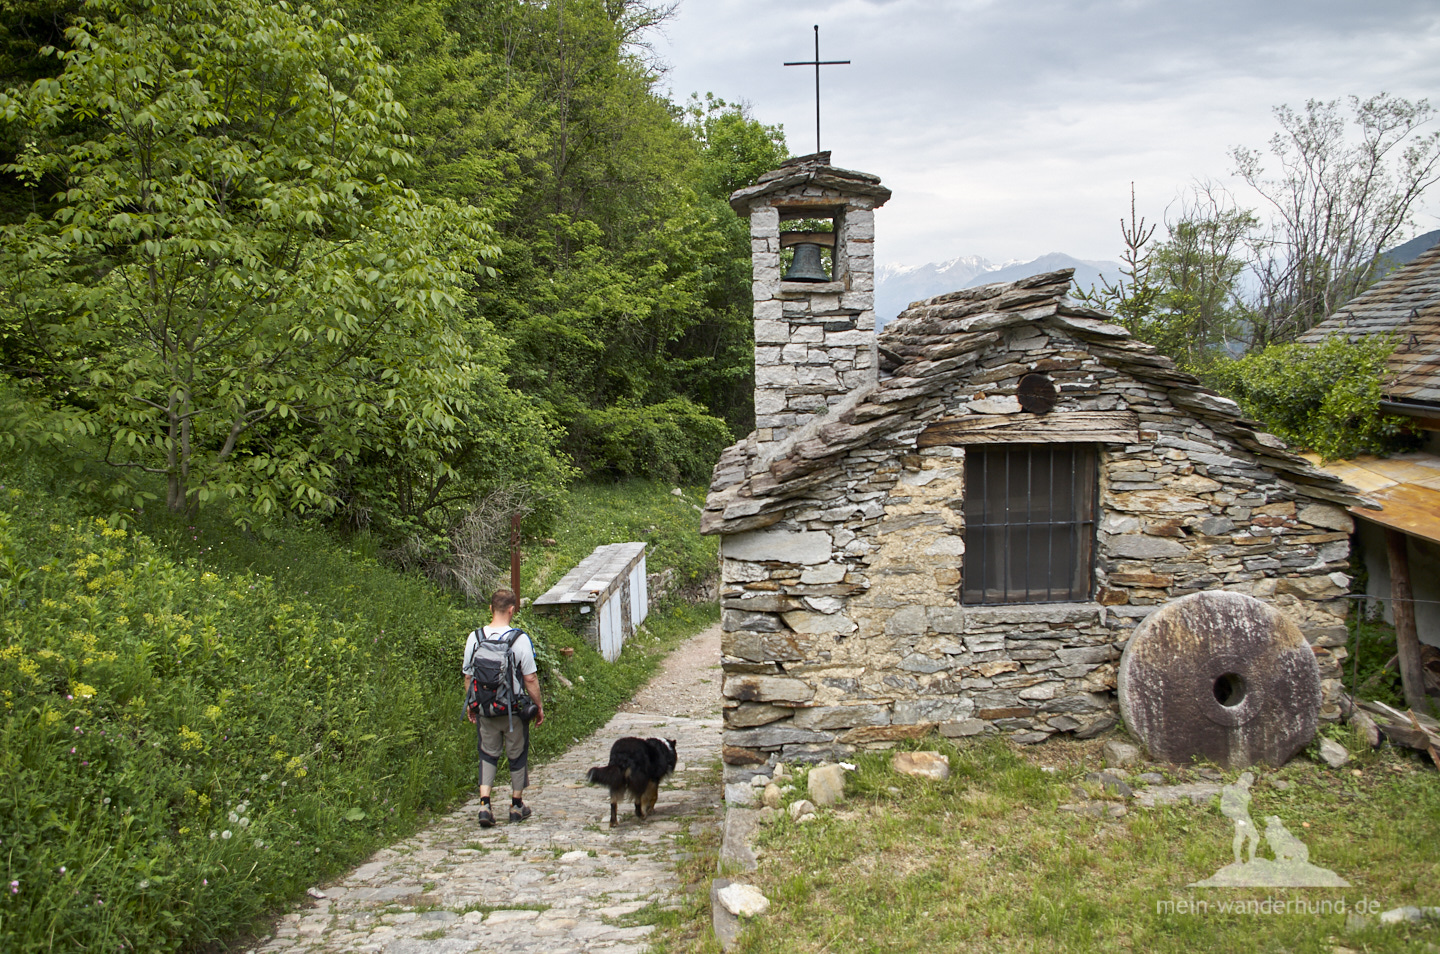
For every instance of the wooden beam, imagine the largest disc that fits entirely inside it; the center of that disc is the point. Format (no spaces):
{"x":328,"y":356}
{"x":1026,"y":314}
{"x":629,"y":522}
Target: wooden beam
{"x":790,"y":239}
{"x":1067,"y":427}
{"x":1407,"y":638}
{"x":515,"y":556}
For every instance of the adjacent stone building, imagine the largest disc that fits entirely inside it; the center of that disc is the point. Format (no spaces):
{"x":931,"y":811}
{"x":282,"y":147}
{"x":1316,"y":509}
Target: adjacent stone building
{"x":1398,"y":537}
{"x":955,"y":526}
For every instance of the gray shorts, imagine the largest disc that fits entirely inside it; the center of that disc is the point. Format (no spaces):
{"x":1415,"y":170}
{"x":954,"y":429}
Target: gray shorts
{"x":494,"y":737}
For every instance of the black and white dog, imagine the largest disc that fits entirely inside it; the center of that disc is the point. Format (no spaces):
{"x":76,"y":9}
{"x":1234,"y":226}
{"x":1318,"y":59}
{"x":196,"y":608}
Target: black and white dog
{"x":637,"y":765}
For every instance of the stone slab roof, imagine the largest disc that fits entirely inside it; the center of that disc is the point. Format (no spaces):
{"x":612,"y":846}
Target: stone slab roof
{"x":812,"y":170}
{"x":1406,"y":303}
{"x":936,"y":343}
{"x":594,"y":577}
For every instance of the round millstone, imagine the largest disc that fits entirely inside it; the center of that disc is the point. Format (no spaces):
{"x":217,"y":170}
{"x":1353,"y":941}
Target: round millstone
{"x":1221,"y":676}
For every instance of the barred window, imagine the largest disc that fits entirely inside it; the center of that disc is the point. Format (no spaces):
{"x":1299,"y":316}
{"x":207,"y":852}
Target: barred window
{"x":1029,"y":523}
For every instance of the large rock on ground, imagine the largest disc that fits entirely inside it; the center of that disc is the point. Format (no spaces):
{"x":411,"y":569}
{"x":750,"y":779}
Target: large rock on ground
{"x":1119,"y":754}
{"x":924,"y":764}
{"x":826,"y":784}
{"x":743,"y":900}
{"x":1221,"y":676}
{"x":1332,"y":753}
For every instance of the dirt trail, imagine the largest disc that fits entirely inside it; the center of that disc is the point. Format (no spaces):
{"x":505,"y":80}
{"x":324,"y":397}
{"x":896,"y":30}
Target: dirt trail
{"x":688,"y":683}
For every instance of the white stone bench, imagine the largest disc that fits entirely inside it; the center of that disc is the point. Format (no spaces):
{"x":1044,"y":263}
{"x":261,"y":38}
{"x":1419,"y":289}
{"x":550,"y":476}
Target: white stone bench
{"x":604,"y":597}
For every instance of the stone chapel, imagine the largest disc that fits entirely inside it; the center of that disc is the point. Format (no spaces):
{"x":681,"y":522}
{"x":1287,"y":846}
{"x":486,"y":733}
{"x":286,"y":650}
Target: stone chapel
{"x":955,"y":524}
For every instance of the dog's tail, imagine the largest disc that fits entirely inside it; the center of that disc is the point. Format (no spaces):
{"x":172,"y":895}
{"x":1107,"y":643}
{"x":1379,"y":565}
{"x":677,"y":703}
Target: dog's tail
{"x":610,"y":775}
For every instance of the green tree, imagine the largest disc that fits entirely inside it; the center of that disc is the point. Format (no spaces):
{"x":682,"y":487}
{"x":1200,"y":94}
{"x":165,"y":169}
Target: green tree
{"x":27,"y":27}
{"x":1197,"y":273}
{"x":735,"y":148}
{"x":1182,"y":295}
{"x":1133,"y":296}
{"x":236,"y":293}
{"x":624,"y":286}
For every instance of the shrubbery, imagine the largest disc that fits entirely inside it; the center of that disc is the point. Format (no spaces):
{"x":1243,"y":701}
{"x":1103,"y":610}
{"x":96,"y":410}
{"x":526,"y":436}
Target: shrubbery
{"x":674,"y":440}
{"x":185,"y":747}
{"x":1324,"y":398}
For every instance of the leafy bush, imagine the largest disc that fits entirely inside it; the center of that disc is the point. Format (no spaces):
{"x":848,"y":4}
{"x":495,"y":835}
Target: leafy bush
{"x":673,"y":440}
{"x":1324,"y":398}
{"x":1372,"y":649}
{"x":196,"y":723}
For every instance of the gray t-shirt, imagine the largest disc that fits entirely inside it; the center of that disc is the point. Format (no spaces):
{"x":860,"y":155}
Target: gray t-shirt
{"x":523,"y":650}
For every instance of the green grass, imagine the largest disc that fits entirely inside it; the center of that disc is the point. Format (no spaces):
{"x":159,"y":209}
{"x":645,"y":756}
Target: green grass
{"x":199,"y":723}
{"x":985,"y":861}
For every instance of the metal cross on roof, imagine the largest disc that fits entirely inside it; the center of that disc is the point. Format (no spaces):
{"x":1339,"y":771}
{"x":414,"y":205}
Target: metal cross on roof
{"x":817,"y":63}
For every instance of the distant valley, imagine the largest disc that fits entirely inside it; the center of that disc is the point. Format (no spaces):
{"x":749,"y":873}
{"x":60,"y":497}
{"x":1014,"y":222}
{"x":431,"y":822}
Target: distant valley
{"x":896,"y":286}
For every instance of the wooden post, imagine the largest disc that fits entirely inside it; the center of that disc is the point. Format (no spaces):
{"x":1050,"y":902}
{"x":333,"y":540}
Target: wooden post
{"x":515,"y":557}
{"x":1407,"y":638}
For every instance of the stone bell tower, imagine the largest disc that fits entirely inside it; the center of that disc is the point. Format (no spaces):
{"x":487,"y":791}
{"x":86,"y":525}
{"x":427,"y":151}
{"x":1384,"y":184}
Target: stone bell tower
{"x":814,"y":327}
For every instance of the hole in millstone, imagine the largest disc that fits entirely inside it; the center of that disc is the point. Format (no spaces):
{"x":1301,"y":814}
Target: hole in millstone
{"x":1230,"y":689}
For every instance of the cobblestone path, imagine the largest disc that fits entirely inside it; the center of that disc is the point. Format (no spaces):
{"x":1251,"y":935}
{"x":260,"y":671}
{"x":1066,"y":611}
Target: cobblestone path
{"x":561,"y":881}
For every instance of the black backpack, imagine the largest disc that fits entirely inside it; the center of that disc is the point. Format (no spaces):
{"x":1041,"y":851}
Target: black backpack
{"x":491,"y":689}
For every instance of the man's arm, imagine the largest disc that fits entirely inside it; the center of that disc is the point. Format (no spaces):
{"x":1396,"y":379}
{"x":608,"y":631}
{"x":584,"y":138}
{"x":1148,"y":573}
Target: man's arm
{"x":532,"y":686}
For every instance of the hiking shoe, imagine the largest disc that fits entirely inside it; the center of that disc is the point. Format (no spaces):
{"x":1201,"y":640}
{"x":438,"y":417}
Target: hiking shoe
{"x":486,"y":818}
{"x":519,"y":813}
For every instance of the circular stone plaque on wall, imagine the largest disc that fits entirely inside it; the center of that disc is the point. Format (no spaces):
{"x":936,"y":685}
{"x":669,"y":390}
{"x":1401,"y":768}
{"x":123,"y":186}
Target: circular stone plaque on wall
{"x":1222,"y":676}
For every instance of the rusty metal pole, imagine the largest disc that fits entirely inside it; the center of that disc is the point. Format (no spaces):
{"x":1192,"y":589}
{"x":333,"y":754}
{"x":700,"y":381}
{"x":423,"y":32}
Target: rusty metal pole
{"x":1407,"y":639}
{"x":515,"y":556}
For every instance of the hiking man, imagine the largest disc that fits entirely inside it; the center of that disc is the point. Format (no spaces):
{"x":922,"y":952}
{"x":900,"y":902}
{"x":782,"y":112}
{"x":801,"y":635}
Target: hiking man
{"x":508,"y":732}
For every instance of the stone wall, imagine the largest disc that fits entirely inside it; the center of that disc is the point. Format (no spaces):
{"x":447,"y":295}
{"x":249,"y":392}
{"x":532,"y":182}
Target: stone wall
{"x":842,"y":621}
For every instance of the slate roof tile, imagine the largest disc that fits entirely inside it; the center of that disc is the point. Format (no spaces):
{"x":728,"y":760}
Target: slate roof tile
{"x":1406,"y":303}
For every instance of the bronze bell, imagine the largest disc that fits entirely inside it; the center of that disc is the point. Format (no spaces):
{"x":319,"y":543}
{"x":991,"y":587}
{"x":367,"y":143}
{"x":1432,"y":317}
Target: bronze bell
{"x":806,"y":266}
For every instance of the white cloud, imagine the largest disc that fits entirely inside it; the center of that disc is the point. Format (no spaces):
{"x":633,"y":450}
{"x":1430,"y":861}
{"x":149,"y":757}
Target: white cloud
{"x":1010,"y":129}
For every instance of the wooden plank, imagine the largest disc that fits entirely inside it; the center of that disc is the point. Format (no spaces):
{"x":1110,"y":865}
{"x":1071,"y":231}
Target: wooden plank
{"x":790,"y":239}
{"x":1406,"y":735}
{"x":1429,"y":723}
{"x":1419,"y":732}
{"x":1432,"y":743}
{"x":1407,"y":639}
{"x":1106,"y":427}
{"x":1408,"y":508}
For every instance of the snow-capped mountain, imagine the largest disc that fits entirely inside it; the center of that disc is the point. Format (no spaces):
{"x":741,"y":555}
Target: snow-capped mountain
{"x":896,"y":286}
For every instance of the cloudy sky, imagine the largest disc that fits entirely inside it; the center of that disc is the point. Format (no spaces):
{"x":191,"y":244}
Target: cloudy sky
{"x":1012,"y":128}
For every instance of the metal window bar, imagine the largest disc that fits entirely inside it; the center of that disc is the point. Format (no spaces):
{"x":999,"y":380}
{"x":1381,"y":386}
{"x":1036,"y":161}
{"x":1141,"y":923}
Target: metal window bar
{"x":1029,"y":523}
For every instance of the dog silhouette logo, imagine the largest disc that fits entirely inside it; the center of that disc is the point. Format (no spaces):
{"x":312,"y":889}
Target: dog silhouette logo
{"x":1290,"y":868}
